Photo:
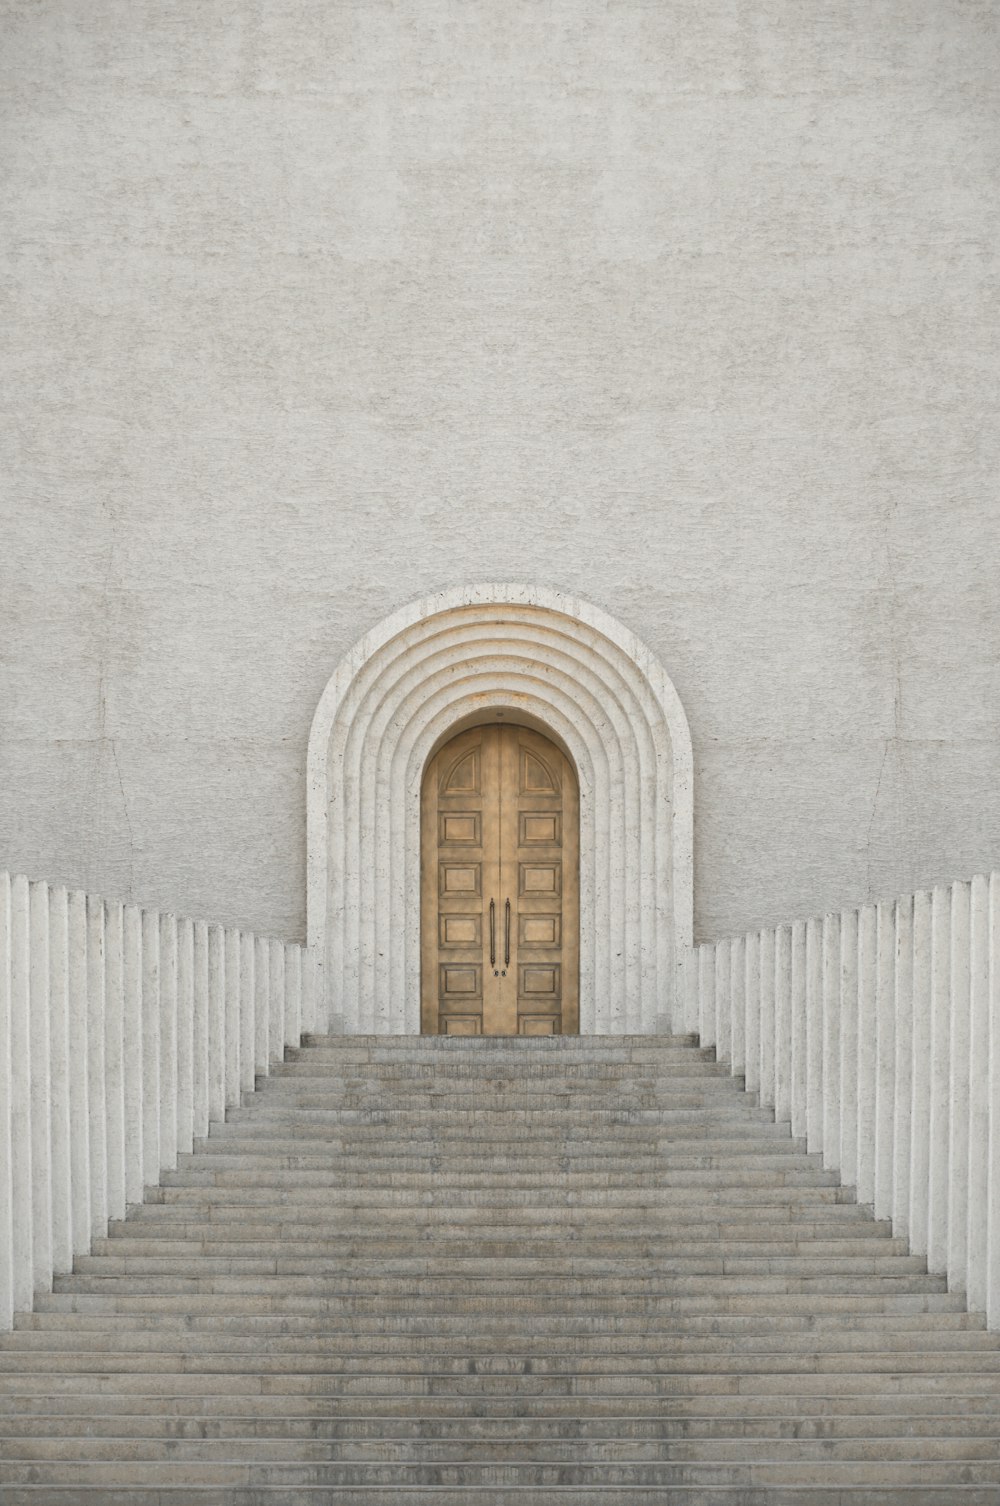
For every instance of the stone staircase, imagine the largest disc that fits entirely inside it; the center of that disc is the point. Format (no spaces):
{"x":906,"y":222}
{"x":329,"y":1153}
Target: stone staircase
{"x":489,"y":1271}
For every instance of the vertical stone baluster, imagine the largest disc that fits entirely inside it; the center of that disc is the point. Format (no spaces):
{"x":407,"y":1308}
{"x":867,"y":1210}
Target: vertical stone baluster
{"x":993,"y":1152}
{"x":706,"y":996}
{"x":41,"y":1087}
{"x":262,"y":1005}
{"x":184,"y":1121}
{"x":830,"y":1011}
{"x":937,"y":1182}
{"x":690,"y":970}
{"x":60,"y":1068}
{"x":276,"y":991}
{"x":293,"y":995}
{"x":849,"y":1065}
{"x":783,"y":1023}
{"x":79,"y":1080}
{"x":885,"y":1054}
{"x":114,"y":1056}
{"x":249,"y":1044}
{"x":20,"y":1072}
{"x":234,"y":1016}
{"x":6,"y":1107}
{"x":62,"y":1159}
{"x":95,"y":1068}
{"x":723,"y":1002}
{"x":201,"y":1045}
{"x":316,"y":1010}
{"x":218,"y":1039}
{"x":920,"y":1076}
{"x":814,"y":1035}
{"x":133,"y":1031}
{"x":751,"y":1010}
{"x":958,"y":1091}
{"x":767,"y":1017}
{"x":979,"y":1103}
{"x":867,"y":1027}
{"x":168,"y":1041}
{"x":903,"y":1070}
{"x":150,"y":1047}
{"x":738,"y":1005}
{"x":799,"y":1028}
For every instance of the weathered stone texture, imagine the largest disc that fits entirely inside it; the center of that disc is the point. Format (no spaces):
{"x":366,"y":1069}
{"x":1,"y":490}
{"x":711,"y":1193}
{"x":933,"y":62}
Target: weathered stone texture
{"x":687,"y":308}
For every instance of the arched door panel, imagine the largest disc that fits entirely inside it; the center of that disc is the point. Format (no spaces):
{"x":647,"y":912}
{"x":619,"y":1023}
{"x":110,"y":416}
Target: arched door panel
{"x":500,"y":886}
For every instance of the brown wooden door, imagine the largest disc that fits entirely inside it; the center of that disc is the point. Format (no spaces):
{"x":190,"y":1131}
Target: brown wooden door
{"x":500,"y":887}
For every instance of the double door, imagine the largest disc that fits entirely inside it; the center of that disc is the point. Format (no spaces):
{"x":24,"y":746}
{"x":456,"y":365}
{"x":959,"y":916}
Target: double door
{"x":500,"y":886}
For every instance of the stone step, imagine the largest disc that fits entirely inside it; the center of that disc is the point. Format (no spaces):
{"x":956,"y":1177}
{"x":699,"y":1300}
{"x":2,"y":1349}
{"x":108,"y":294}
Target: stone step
{"x":864,"y":1305}
{"x":538,"y":1353}
{"x":708,"y":1256}
{"x":369,"y":1142}
{"x":669,"y":1365}
{"x":516,"y":1495}
{"x":482,"y":1452}
{"x":725,"y":1119}
{"x":398,"y":1047}
{"x":609,"y":1252}
{"x":480,"y":1120}
{"x":429,"y":1238}
{"x":792,"y":1214}
{"x":546,"y":1117}
{"x":835,"y":1379}
{"x":616,"y":1139}
{"x":238,"y":1474}
{"x":550,"y":1111}
{"x":569,"y":1327}
{"x":696,"y":1192}
{"x":719,"y":1403}
{"x":761,"y":1168}
{"x":652,"y":1292}
{"x":508,"y":1430}
{"x":553,"y":1159}
{"x":723,"y":1180}
{"x":600,"y":1076}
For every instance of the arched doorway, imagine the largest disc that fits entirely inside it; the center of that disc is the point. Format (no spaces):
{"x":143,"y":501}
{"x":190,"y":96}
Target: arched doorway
{"x":500,"y":886}
{"x":549,"y":661}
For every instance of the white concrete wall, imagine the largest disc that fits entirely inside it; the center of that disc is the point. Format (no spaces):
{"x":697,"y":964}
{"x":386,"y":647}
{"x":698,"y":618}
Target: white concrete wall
{"x":312,"y":308}
{"x":892,"y":1026}
{"x":115,"y":1035}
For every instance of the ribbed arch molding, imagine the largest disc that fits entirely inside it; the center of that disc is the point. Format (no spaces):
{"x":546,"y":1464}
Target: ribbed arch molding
{"x":463,"y":656}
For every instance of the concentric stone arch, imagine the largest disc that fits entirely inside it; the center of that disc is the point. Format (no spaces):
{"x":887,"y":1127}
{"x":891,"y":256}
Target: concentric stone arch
{"x":462,"y":656}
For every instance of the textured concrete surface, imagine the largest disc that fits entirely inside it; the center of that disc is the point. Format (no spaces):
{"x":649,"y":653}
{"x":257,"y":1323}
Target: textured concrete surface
{"x":311,"y":308}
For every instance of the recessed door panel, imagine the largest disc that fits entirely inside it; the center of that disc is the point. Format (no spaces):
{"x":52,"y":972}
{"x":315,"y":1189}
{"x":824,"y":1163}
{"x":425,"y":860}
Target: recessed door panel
{"x":460,"y":930}
{"x":460,"y":829}
{"x":461,"y":878}
{"x":500,"y":886}
{"x":539,"y":828}
{"x":539,"y":930}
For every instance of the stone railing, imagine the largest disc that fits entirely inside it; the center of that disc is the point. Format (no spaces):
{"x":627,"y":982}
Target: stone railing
{"x":122,"y":1033}
{"x":876,"y":1032}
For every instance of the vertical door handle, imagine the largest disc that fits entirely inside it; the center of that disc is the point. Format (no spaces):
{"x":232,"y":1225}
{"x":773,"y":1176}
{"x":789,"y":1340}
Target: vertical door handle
{"x":493,"y":936}
{"x":506,"y":950}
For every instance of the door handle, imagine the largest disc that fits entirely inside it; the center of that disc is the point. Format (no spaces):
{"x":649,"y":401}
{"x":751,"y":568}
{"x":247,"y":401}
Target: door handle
{"x":506,"y":950}
{"x":493,"y":937}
